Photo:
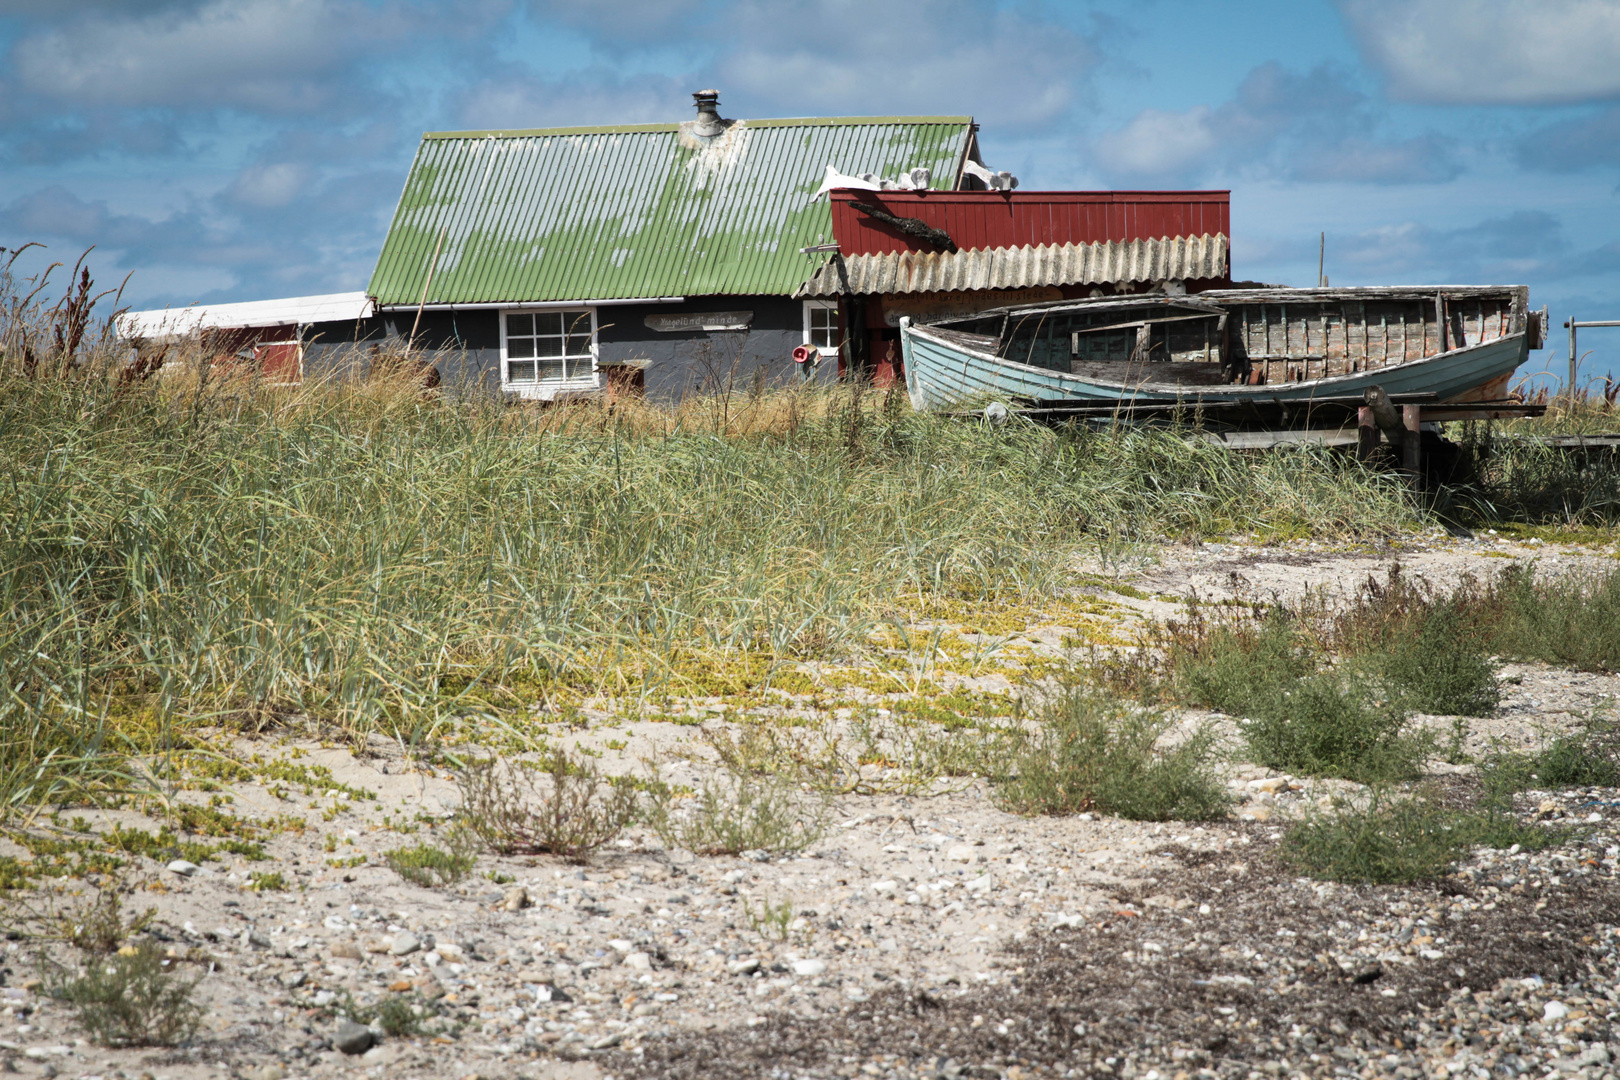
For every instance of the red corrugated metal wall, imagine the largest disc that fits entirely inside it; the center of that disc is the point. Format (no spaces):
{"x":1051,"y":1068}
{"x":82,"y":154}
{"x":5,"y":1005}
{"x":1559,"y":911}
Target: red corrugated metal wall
{"x":981,"y":219}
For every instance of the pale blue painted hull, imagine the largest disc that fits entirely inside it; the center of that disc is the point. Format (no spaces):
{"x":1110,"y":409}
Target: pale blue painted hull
{"x":941,"y":374}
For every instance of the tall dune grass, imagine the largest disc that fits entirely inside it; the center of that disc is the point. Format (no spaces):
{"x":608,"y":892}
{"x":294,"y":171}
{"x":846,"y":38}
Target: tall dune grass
{"x":195,"y":548}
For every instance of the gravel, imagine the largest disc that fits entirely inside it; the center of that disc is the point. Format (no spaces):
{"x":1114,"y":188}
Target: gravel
{"x":930,"y":937}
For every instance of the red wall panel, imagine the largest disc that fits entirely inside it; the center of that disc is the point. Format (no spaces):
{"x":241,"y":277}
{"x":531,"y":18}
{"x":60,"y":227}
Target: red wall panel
{"x":981,"y":219}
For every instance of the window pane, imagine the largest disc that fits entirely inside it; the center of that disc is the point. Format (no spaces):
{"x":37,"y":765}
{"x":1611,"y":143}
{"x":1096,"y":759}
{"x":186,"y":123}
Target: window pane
{"x":519,"y":347}
{"x":522,"y":371}
{"x":548,"y":346}
{"x":580,"y":344}
{"x":519,"y":324}
{"x":551,"y":369}
{"x":578,"y":322}
{"x":548,"y":322}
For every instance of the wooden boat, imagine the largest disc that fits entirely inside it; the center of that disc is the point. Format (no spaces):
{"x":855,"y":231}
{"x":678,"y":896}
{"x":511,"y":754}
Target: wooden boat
{"x":1451,"y":344}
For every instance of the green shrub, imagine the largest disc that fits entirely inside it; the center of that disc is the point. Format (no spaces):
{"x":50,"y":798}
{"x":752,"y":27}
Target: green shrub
{"x":1570,"y":619}
{"x":1328,"y":725}
{"x":1398,"y":839}
{"x":1240,"y":665}
{"x":1587,"y":757}
{"x":1441,"y":668}
{"x":131,"y":998}
{"x":743,"y":813}
{"x":1090,"y":752}
{"x":1394,"y":841}
{"x":561,"y":807}
{"x":432,"y":867}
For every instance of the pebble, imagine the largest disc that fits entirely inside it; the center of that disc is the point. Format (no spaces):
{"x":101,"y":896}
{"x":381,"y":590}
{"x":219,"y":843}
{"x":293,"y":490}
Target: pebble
{"x":809,"y":967}
{"x":404,"y":944}
{"x":353,"y":1038}
{"x":183,"y":868}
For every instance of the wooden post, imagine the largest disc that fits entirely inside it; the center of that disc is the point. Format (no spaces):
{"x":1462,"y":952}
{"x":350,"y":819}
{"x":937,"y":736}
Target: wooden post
{"x":1366,"y":433}
{"x":1412,"y":440}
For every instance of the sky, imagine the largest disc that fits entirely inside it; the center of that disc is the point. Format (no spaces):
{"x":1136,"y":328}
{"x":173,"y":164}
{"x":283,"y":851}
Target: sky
{"x":221,"y":150}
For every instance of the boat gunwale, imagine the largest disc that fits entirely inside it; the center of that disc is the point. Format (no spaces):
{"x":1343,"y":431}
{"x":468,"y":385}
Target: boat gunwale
{"x":1226,"y":390}
{"x":1213,"y":298}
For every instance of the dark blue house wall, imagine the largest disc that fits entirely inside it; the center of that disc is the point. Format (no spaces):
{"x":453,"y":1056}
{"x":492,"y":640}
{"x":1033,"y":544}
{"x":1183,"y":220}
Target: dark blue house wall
{"x":465,"y":346}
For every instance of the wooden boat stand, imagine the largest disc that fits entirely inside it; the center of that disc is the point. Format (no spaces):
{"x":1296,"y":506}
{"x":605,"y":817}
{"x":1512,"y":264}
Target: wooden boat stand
{"x":1353,"y":421}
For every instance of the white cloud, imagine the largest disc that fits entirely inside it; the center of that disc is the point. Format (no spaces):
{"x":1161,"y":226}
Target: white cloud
{"x":268,"y":186}
{"x":511,"y":97}
{"x":1308,"y":126}
{"x":1518,"y":52}
{"x":1010,"y":67}
{"x":277,"y":56}
{"x":1158,"y":142}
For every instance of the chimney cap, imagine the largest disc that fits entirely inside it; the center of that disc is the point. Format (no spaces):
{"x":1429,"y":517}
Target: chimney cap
{"x":708,"y":123}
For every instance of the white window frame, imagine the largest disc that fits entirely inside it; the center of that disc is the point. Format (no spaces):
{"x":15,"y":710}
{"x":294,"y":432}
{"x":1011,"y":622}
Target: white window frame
{"x":820,"y":305}
{"x":546,"y":389}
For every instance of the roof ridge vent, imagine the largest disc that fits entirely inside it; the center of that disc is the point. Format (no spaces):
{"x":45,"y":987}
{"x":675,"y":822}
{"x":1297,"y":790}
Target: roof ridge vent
{"x":708,"y":123}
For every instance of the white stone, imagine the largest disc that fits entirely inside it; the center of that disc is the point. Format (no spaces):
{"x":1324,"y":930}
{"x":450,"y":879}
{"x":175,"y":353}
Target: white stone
{"x":621,"y":946}
{"x":883,"y":888}
{"x":638,"y":961}
{"x":183,"y":868}
{"x":1553,"y":1010}
{"x":982,"y":883}
{"x":962,"y":853}
{"x":809,"y":967}
{"x":404,"y":944}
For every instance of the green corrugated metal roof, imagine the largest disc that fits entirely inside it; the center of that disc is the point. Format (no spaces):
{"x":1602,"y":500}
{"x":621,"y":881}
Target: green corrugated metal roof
{"x":623,"y":212}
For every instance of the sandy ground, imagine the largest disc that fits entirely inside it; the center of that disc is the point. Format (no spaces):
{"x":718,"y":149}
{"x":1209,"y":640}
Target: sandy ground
{"x":659,"y":962}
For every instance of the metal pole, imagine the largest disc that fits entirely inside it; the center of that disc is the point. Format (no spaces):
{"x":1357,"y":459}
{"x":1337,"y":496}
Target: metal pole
{"x":1321,"y":256}
{"x":1572,"y":324}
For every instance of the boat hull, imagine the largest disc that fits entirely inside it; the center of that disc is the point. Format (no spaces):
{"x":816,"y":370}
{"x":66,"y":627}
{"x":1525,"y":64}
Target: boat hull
{"x":942,"y":374}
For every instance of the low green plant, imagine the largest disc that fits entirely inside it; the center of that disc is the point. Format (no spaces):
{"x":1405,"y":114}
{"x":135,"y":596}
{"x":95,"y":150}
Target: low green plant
{"x":1442,"y":668}
{"x":1091,"y":752}
{"x":1332,"y":725}
{"x":1392,"y":841}
{"x":431,"y":866}
{"x":1586,"y":757}
{"x":93,"y":922}
{"x":398,"y":1015}
{"x":1398,"y":838}
{"x":770,"y":920}
{"x":134,"y":997}
{"x":563,"y":806}
{"x":736,"y":812}
{"x":267,"y":882}
{"x":1239,"y":664}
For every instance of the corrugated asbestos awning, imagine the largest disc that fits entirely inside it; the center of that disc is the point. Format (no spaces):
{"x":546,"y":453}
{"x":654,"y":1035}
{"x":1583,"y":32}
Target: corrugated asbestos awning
{"x":1177,"y":258}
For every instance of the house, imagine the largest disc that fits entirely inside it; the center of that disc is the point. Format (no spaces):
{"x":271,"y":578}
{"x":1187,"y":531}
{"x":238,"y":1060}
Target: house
{"x":699,"y":256}
{"x":664,"y":257}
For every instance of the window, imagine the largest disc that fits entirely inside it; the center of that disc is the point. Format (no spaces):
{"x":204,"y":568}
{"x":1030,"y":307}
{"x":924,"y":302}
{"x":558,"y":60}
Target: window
{"x":549,"y":348}
{"x":821,"y":324}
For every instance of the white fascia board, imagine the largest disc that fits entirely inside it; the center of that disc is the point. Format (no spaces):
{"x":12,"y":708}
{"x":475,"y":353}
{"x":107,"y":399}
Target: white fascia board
{"x":535,"y":305}
{"x":292,"y":311}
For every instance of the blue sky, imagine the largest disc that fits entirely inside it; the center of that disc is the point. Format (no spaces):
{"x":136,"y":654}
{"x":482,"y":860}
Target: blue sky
{"x":246,"y":149}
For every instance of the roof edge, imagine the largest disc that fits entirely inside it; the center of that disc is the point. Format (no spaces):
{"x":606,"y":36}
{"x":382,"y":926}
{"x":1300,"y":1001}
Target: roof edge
{"x":643,"y":129}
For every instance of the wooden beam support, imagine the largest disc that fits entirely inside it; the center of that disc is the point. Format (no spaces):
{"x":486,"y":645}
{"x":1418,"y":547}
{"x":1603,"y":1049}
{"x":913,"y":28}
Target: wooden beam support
{"x":1366,"y":433}
{"x":1412,"y":443}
